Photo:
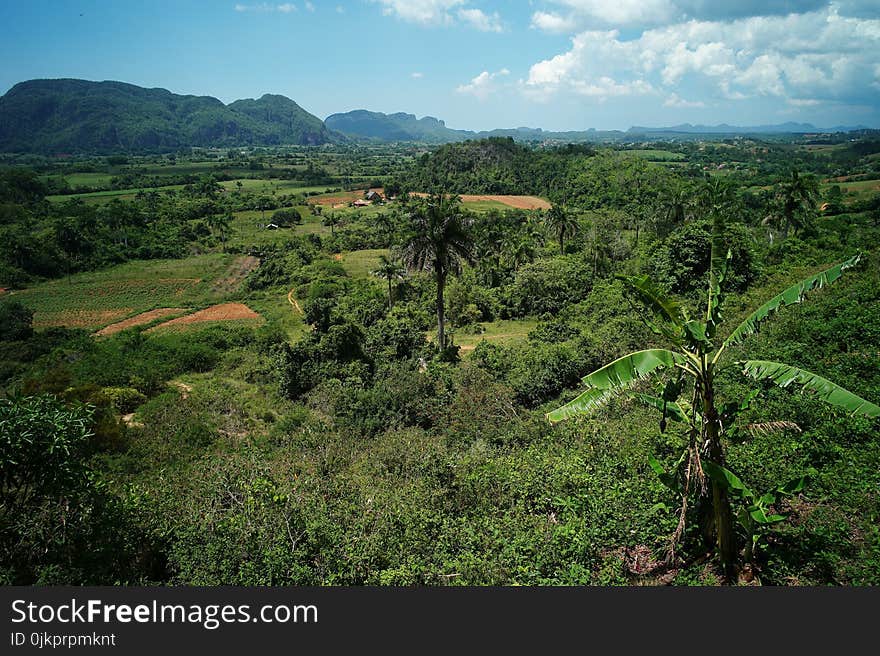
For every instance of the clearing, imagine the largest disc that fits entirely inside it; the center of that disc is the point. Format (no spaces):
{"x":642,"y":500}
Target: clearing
{"x":139,"y":320}
{"x":97,"y":299}
{"x":222,"y":312}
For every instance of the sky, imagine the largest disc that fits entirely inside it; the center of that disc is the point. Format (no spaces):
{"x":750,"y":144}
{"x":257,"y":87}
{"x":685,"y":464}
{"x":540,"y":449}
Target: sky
{"x":477,"y":64}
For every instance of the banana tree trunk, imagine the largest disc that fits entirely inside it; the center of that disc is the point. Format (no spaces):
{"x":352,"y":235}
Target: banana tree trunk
{"x":722,"y":512}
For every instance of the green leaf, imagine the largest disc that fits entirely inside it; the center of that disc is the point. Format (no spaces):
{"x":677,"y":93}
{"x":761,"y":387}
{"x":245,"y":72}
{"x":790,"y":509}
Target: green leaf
{"x":614,"y":378}
{"x":792,"y":295}
{"x":784,"y":375}
{"x":727,"y":479}
{"x":673,"y":410}
{"x":651,"y":295}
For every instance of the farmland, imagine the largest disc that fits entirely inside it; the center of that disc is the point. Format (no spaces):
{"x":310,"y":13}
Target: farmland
{"x":259,"y":360}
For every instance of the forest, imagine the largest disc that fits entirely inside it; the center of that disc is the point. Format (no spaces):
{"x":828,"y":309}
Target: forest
{"x":481,"y":363}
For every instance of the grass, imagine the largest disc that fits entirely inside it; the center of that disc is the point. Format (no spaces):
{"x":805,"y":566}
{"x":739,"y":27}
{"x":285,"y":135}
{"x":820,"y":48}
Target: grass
{"x":96,"y":299}
{"x":359,"y":264}
{"x":484,"y":205}
{"x":507,"y":331}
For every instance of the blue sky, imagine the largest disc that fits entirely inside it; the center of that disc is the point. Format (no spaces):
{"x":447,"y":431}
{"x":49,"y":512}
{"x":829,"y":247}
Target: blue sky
{"x":478,"y":64}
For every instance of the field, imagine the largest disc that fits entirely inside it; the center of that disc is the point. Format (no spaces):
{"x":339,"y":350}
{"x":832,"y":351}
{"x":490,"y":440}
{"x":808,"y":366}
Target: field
{"x":359,"y":264}
{"x":97,"y":299}
{"x":496,"y":332}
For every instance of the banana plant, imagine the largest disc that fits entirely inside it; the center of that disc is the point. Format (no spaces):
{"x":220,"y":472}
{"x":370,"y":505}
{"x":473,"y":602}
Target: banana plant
{"x":696,"y":354}
{"x":755,"y":515}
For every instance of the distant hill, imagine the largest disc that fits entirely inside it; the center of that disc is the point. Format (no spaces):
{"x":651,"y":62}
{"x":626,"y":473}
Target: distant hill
{"x":66,"y":115}
{"x":394,"y":127}
{"x":362,"y":124}
{"x":782,"y":128}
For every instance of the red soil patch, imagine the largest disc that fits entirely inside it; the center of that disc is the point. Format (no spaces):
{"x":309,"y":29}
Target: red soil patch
{"x":139,"y":320}
{"x":223,"y":312}
{"x":518,"y":202}
{"x":343,"y":198}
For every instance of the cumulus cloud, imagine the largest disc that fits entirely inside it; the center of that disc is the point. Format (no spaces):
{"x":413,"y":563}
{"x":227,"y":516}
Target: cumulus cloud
{"x":417,"y":75}
{"x":816,"y":56}
{"x":423,"y":12}
{"x":680,"y":103}
{"x":551,"y":22}
{"x":481,"y":21}
{"x":484,"y":85}
{"x":442,"y":12}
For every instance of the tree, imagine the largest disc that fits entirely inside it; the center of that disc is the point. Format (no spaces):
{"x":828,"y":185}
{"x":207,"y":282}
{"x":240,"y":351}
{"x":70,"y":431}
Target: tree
{"x":220,"y":223}
{"x":332,"y":221}
{"x":440,"y":242}
{"x":797,"y":198}
{"x":562,"y":225}
{"x":696,"y":357}
{"x":390,"y":271}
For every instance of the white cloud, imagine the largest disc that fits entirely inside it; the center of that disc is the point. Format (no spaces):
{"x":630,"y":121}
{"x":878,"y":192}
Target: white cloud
{"x":442,"y":12}
{"x":484,"y":85}
{"x":675,"y":101}
{"x":309,"y":6}
{"x":816,"y":56}
{"x":423,"y":12}
{"x":550,"y":22}
{"x":417,"y":75}
{"x":481,"y":21}
{"x":265,"y":8}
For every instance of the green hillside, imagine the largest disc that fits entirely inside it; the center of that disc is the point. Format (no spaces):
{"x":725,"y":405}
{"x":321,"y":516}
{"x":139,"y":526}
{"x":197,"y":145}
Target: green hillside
{"x":65,"y":116}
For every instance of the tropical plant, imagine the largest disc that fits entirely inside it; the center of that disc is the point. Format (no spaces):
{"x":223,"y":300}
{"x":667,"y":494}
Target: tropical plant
{"x":696,"y":356}
{"x":562,"y":225}
{"x":440,"y":241}
{"x":220,"y":223}
{"x":796,"y":203}
{"x":389,"y":270}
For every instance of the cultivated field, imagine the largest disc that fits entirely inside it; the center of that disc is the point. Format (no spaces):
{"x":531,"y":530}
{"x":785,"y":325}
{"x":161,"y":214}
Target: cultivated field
{"x":97,"y":299}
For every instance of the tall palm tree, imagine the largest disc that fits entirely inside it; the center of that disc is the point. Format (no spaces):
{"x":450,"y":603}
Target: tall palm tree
{"x":562,"y":225}
{"x":696,"y":355}
{"x":798,"y":196}
{"x":389,"y":270}
{"x":440,"y":242}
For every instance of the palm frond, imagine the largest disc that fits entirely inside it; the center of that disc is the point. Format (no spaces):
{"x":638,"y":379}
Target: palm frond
{"x":785,"y":375}
{"x":770,"y":427}
{"x":791,"y":296}
{"x":614,"y":378}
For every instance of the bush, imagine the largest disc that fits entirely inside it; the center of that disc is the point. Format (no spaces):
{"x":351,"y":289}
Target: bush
{"x":15,"y":321}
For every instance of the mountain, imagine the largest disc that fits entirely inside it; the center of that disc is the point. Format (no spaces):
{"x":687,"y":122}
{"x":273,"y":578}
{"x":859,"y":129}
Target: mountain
{"x":782,"y":128}
{"x":394,"y":127}
{"x":66,"y":115}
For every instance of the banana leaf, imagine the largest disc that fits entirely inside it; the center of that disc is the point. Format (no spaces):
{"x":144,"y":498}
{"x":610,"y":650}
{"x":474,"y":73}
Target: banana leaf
{"x":785,"y":375}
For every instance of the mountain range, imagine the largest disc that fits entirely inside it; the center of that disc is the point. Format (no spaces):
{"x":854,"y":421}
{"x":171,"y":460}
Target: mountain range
{"x":55,"y":116}
{"x":68,"y":115}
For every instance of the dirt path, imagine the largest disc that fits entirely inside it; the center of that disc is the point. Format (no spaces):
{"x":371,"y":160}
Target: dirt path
{"x":294,"y":302}
{"x":139,"y":320}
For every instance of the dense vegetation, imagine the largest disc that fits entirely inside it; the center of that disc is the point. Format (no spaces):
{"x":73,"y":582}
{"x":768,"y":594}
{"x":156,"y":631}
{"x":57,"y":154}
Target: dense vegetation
{"x":72,"y":116}
{"x":341,"y":440}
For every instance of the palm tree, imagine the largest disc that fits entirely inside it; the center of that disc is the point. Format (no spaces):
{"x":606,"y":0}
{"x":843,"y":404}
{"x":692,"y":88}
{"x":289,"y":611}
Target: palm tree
{"x":390,"y":271}
{"x":696,"y":356}
{"x":332,"y":220}
{"x":440,"y":242}
{"x":562,"y":225}
{"x":220,"y":223}
{"x":797,"y":196}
